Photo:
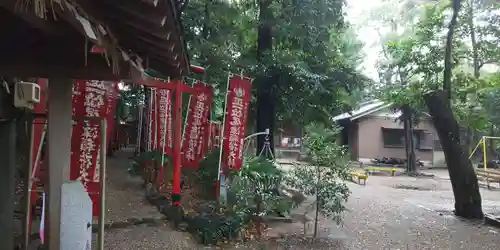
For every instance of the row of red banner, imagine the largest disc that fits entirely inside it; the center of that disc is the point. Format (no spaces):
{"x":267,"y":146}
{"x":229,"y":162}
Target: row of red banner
{"x":98,"y":99}
{"x":90,"y":99}
{"x":200,"y":135}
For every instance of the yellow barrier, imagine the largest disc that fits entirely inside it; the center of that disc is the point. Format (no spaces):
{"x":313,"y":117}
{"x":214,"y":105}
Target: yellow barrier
{"x":360,"y":177}
{"x":388,"y":169}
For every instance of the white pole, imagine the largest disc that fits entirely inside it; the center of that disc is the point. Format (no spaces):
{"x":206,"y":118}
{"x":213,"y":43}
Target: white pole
{"x":102,"y":181}
{"x":221,"y":138}
{"x":169,"y":94}
{"x":32,"y":171}
{"x":154,"y":106}
{"x":27,"y":214}
{"x":38,"y":155}
{"x":187,"y":114}
{"x":164,"y":129}
{"x":139,"y":129}
{"x":150,"y":121}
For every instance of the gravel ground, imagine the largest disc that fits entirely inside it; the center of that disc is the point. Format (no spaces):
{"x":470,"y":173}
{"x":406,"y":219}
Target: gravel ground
{"x":380,"y":216}
{"x":125,"y":199}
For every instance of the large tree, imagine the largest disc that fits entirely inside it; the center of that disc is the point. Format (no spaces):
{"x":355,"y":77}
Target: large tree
{"x":430,"y":84}
{"x":302,"y":54}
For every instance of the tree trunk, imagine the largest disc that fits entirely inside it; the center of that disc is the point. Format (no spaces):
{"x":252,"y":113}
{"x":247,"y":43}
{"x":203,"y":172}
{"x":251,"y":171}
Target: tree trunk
{"x":463,"y":178}
{"x":409,"y":143}
{"x":469,"y":140}
{"x":462,"y":175}
{"x":472,"y":31}
{"x":265,"y":86}
{"x":492,"y":147}
{"x":318,"y":205}
{"x":475,"y":61}
{"x":448,"y":62}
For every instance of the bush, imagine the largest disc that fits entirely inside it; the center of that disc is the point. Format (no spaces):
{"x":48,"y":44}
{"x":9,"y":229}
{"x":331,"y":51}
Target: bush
{"x":255,"y":188}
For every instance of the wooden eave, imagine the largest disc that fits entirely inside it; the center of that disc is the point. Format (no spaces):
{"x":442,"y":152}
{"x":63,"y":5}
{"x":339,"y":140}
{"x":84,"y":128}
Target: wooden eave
{"x":135,"y":35}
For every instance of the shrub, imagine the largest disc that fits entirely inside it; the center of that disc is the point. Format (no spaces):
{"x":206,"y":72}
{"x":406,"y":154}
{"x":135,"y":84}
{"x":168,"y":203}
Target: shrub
{"x":325,"y":176}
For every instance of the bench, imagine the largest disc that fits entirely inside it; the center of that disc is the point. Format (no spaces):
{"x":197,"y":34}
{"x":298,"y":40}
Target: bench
{"x":380,"y":169}
{"x":488,"y":175}
{"x":359,"y":177}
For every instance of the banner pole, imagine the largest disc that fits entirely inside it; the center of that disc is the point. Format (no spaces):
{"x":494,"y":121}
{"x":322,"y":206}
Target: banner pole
{"x":220,"y":190}
{"x":150,"y":122}
{"x":187,"y":114}
{"x":155,"y":129}
{"x":102,"y":181}
{"x":27,"y":189}
{"x":139,"y":129}
{"x":164,"y":136}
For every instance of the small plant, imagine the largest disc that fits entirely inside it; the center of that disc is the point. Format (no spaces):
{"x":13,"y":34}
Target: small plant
{"x":252,"y":192}
{"x":207,"y":174}
{"x":325,"y":177}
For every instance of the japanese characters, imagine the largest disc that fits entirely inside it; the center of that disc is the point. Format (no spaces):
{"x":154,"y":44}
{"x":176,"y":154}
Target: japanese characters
{"x":237,"y":102}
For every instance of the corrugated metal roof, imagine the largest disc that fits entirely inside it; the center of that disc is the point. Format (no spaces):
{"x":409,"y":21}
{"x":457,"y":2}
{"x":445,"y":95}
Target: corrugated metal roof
{"x":364,"y":109}
{"x":371,"y":107}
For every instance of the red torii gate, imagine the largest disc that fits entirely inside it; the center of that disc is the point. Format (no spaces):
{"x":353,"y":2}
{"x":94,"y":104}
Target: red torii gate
{"x":178,"y":87}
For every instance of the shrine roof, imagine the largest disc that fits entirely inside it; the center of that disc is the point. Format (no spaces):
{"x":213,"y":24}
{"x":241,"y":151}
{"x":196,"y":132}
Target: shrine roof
{"x":86,"y":36}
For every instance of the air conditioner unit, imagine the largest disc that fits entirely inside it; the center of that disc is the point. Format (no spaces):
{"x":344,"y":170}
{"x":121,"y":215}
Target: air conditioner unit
{"x":26,"y":95}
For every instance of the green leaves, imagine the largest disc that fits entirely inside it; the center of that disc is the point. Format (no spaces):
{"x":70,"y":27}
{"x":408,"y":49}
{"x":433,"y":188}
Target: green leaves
{"x":326,"y":175}
{"x":314,"y":59}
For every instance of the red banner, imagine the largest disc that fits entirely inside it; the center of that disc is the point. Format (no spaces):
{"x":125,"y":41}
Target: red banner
{"x":237,"y":101}
{"x":164,"y":134}
{"x":199,"y":108}
{"x":111,"y":99}
{"x":164,"y":121}
{"x":90,"y":99}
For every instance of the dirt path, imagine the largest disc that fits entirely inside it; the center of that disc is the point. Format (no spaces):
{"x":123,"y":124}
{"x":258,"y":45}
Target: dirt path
{"x":383,"y":217}
{"x":125,"y":199}
{"x":379,"y":216}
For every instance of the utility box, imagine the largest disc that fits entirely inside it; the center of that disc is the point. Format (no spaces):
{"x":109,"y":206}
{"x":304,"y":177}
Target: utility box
{"x":26,"y":94}
{"x":76,"y":217}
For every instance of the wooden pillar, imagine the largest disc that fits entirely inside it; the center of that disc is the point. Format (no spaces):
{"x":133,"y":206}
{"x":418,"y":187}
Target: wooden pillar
{"x":8,"y":167}
{"x":59,"y":151}
{"x":176,"y":182}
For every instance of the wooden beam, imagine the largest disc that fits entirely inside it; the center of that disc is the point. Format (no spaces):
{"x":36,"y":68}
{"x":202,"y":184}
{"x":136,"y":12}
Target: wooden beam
{"x":160,"y":35}
{"x":60,"y":60}
{"x":44,"y":62}
{"x":46,"y":26}
{"x":138,"y":10}
{"x":173,"y":72}
{"x":116,"y":23}
{"x":38,"y":70}
{"x":145,"y":45}
{"x":70,"y":18}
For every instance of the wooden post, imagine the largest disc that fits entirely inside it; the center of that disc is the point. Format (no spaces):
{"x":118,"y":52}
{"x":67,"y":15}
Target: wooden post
{"x":59,"y":152}
{"x":176,"y":182}
{"x":7,"y":178}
